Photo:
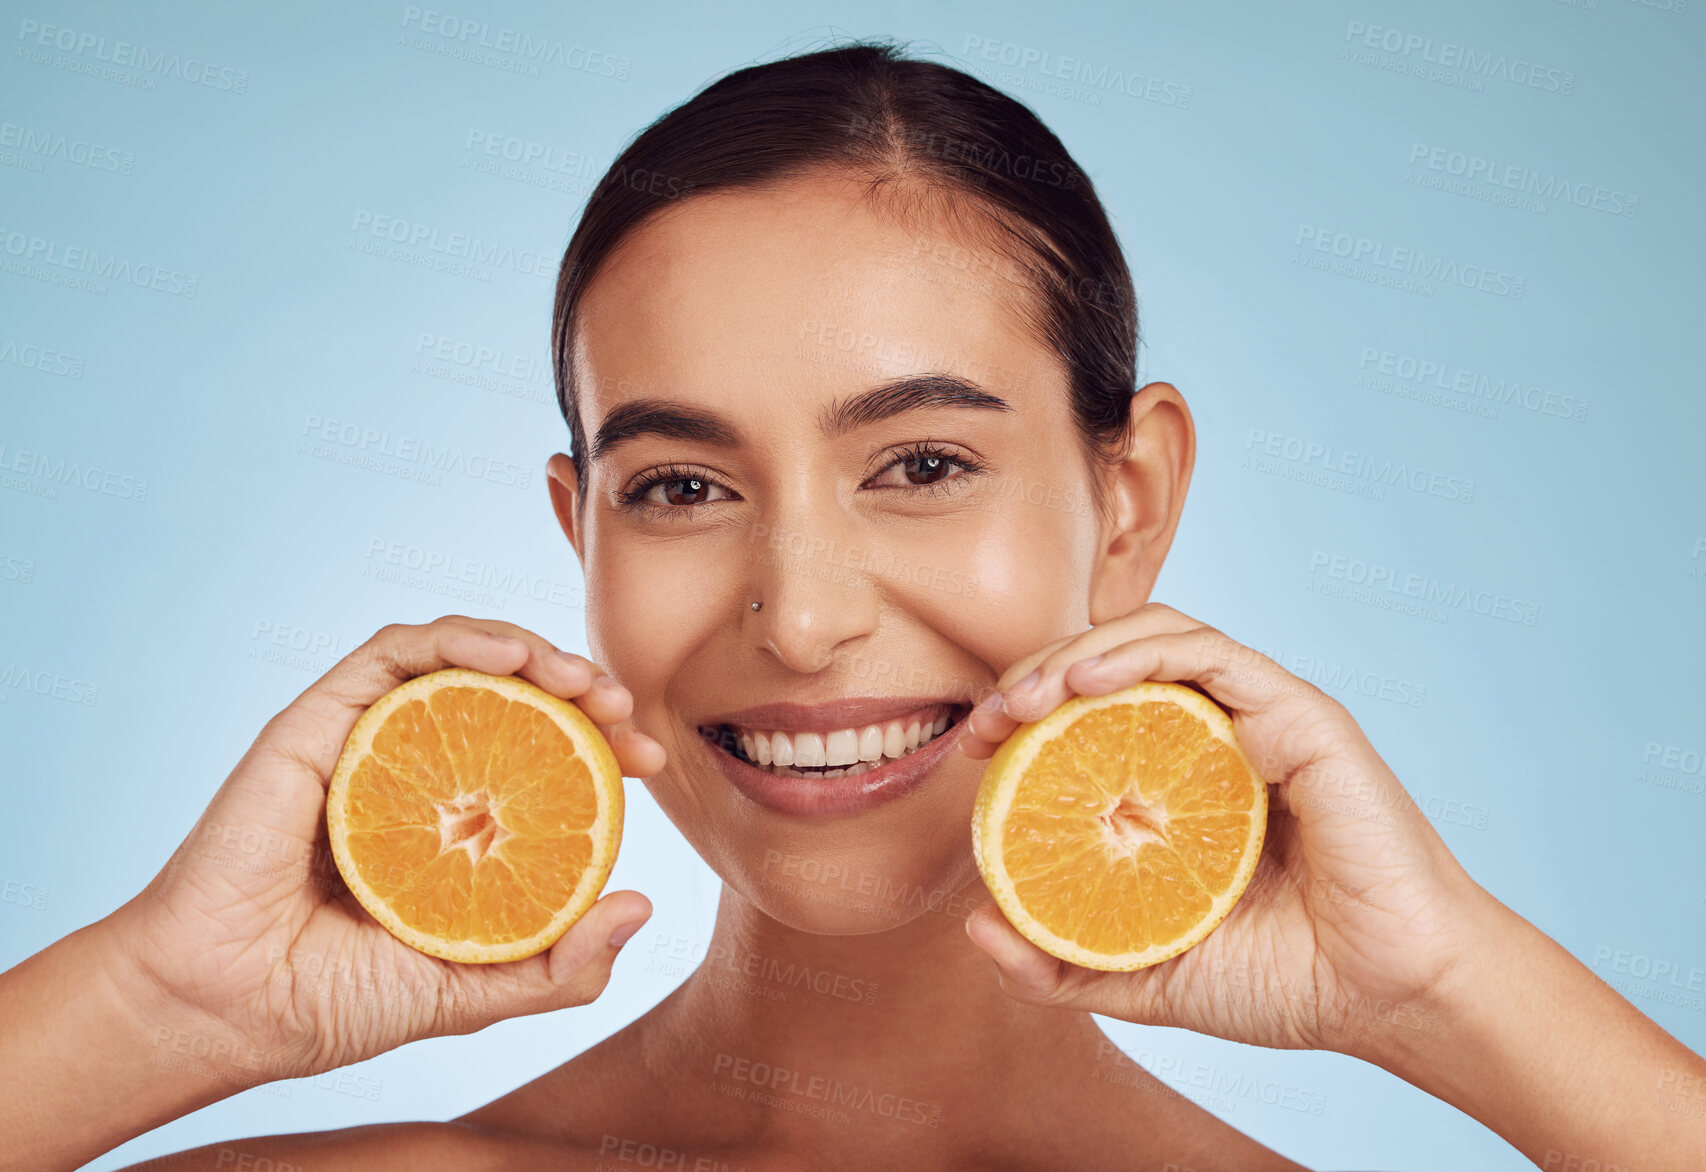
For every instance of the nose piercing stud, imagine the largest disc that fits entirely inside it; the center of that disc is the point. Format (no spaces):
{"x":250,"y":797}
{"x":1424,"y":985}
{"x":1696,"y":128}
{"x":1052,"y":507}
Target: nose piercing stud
{"x":757,"y":605}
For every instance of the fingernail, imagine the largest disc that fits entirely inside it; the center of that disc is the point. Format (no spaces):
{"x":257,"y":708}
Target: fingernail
{"x":1091,"y":662}
{"x":1025,"y":684}
{"x":990,"y":702}
{"x":625,"y":933}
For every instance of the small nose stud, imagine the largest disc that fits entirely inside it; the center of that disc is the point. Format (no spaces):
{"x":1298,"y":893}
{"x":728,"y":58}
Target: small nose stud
{"x":757,"y":606}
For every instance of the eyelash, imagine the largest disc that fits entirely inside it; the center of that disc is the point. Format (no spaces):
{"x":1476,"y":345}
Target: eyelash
{"x":634,"y":498}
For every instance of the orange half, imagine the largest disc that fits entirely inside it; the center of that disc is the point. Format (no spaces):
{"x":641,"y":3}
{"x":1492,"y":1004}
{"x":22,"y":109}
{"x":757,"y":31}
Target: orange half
{"x":1119,"y":830}
{"x":475,"y":816}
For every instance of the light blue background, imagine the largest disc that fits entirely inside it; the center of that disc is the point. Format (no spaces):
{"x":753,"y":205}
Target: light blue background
{"x":1538,"y":749}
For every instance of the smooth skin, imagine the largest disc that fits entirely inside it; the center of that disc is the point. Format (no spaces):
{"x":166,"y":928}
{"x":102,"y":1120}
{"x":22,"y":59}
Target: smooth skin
{"x":1360,"y":934}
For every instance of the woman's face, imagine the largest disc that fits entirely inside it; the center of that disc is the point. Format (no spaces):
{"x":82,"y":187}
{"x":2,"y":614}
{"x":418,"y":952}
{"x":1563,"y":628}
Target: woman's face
{"x":751,"y":377}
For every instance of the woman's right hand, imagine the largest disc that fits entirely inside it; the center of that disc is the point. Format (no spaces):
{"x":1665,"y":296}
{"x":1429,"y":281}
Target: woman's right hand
{"x":249,"y":949}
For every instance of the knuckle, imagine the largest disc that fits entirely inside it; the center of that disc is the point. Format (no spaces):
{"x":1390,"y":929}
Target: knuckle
{"x":589,"y":983}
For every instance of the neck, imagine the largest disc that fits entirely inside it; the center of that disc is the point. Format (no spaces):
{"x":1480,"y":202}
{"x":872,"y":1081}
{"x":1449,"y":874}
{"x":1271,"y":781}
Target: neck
{"x":902,"y":1031}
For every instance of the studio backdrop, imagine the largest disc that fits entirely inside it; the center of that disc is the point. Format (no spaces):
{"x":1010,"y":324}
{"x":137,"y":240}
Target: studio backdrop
{"x":274,"y":349}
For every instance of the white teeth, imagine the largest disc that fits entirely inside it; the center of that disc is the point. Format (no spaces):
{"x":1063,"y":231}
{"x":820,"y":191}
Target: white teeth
{"x":843,"y":753}
{"x":841,"y":747}
{"x":894,"y":739}
{"x":808,"y":749}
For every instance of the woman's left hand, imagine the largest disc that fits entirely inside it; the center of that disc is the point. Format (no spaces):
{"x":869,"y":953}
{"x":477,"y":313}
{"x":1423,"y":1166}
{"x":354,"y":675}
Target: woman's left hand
{"x":1357,"y":912}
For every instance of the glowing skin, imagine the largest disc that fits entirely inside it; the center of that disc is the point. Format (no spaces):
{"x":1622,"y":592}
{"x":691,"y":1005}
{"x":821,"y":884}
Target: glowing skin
{"x":733,"y":304}
{"x":721,"y":305}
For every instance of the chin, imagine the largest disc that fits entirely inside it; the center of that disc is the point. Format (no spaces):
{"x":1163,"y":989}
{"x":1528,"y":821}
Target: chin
{"x":906,"y":860}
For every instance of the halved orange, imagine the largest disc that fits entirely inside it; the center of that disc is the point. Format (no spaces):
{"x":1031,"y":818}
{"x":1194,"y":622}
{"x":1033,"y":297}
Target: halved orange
{"x":475,"y":816}
{"x":1119,"y":830}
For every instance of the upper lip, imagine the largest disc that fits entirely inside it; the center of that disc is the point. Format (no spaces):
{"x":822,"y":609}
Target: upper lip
{"x":829,"y":716}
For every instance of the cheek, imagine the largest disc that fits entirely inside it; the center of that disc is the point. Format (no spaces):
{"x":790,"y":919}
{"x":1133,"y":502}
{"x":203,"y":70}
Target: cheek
{"x":999,"y":582}
{"x":648,"y":606}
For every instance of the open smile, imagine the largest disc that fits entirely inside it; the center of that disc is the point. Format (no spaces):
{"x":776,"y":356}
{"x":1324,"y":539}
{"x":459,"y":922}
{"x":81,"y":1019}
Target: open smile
{"x":833,"y":759}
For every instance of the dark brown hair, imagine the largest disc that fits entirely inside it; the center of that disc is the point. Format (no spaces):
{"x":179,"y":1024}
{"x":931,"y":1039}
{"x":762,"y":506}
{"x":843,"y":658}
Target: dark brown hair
{"x":904,"y":125}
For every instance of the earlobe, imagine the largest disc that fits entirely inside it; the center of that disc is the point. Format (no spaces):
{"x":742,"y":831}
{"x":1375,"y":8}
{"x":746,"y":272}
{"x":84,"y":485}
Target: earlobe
{"x":560,"y":479}
{"x":1146,"y":497}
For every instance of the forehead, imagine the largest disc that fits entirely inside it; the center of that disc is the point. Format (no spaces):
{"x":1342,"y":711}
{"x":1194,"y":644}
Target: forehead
{"x":808,"y":286}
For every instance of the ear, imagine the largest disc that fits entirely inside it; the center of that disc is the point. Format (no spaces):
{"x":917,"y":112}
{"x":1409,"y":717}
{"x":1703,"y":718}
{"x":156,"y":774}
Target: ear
{"x":1146,"y":494}
{"x":565,"y":498}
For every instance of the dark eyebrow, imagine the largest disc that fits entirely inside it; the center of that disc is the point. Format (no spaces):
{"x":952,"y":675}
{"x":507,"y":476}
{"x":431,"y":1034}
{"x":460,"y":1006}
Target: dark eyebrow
{"x":662,"y":417}
{"x":638,"y":417}
{"x":912,"y":393}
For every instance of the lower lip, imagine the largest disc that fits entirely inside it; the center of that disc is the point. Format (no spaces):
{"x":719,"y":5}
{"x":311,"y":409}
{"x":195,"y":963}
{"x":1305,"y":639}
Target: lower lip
{"x":807,"y":796}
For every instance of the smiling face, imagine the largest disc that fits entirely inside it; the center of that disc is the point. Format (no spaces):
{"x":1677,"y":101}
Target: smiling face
{"x":797,"y":397}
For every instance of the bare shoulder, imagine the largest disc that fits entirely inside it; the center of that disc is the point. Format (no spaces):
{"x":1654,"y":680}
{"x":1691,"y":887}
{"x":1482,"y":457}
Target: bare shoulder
{"x":380,"y":1147}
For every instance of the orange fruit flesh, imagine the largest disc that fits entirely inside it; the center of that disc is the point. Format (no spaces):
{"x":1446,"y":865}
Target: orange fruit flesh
{"x":475,"y":818}
{"x":1121,"y":828}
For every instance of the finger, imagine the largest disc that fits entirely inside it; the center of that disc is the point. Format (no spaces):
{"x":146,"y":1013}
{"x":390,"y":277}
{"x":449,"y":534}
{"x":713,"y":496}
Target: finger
{"x":636,"y":753}
{"x":1238,"y":678}
{"x":573,"y":971}
{"x":1035,"y":685}
{"x":563,"y":673}
{"x":986,"y":728}
{"x":1049,"y":688}
{"x":578,"y":965}
{"x":331,"y":705}
{"x":1026,"y":971}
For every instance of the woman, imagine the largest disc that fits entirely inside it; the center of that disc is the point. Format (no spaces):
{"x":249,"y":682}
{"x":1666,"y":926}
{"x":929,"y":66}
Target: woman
{"x":847,"y":349}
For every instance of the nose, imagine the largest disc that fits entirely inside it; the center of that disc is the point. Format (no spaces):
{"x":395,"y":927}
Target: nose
{"x":817,"y":599}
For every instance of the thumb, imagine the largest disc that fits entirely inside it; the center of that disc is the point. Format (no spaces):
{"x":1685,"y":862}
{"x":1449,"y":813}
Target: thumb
{"x":579,"y":963}
{"x":573,"y":971}
{"x":1027,"y":973}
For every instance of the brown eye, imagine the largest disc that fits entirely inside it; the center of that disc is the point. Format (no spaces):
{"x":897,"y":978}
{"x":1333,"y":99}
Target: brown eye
{"x":694,"y":491}
{"x":926,"y":469}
